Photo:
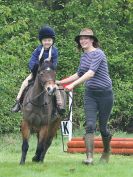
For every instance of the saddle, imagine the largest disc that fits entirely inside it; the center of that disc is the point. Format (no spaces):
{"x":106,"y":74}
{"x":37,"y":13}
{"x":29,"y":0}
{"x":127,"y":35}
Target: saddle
{"x":30,"y":84}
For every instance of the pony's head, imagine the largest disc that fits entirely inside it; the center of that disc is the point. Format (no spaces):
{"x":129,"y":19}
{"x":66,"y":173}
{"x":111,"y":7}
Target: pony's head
{"x":47,"y":74}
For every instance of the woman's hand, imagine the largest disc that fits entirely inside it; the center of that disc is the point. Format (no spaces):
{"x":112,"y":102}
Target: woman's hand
{"x":69,"y":87}
{"x":58,"y":82}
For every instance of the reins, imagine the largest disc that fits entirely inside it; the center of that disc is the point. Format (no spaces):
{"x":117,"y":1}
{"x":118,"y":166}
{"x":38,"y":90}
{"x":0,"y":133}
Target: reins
{"x":30,"y":101}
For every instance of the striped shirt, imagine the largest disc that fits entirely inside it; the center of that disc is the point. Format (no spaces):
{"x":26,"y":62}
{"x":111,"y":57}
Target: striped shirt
{"x":97,"y":62}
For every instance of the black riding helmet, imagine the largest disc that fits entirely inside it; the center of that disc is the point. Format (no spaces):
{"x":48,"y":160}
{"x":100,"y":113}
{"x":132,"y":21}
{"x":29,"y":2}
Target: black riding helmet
{"x":46,"y":32}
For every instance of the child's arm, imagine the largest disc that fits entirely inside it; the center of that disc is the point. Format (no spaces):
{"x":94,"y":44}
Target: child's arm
{"x":34,"y":58}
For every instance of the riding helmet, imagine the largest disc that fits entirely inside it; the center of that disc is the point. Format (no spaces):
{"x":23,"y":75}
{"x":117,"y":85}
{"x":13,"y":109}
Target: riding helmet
{"x":46,"y":32}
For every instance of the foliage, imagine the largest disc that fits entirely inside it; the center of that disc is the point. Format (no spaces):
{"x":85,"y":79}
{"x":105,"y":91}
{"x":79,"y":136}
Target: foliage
{"x":19,"y":24}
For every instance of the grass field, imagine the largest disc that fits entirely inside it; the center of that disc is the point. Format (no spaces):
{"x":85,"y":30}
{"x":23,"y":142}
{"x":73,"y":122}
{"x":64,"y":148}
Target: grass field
{"x":58,"y":163}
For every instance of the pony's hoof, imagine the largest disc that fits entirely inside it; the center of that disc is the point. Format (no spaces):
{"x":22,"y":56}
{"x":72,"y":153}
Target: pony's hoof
{"x":21,"y":163}
{"x":35,"y":159}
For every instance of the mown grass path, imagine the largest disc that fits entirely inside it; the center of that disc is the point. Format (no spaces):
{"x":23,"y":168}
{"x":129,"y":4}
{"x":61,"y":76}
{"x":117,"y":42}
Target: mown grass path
{"x":57,"y":163}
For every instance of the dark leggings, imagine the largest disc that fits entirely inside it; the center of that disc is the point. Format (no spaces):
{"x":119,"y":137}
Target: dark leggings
{"x":98,"y":102}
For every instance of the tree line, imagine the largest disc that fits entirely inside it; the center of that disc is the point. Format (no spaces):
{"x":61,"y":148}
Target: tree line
{"x":112,"y":24}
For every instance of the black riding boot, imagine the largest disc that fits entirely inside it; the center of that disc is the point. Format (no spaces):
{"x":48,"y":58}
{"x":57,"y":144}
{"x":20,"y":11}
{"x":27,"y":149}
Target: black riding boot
{"x":107,"y":149}
{"x":16,"y":107}
{"x":89,"y":144}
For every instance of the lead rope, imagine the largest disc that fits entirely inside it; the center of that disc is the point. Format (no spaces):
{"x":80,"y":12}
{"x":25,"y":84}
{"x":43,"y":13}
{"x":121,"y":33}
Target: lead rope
{"x":62,"y":138}
{"x":49,"y":54}
{"x":68,"y":119}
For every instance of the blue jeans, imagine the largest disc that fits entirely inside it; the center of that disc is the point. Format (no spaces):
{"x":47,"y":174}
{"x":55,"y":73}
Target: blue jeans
{"x":98,"y":103}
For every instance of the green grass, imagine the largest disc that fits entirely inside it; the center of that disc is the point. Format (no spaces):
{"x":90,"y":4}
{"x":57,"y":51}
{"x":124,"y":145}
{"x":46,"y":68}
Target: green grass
{"x":58,"y":163}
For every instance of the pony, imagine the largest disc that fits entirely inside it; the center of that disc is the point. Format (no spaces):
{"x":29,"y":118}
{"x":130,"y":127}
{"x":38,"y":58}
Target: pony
{"x":39,"y":112}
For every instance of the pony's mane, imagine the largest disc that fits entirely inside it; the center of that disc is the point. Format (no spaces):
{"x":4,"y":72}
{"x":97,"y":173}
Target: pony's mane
{"x":47,"y":64}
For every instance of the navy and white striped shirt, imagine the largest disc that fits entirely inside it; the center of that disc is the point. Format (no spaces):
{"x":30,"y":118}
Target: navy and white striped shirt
{"x":97,"y":62}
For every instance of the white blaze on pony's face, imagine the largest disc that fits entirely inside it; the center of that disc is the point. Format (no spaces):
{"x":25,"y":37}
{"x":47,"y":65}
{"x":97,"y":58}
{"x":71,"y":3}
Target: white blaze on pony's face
{"x":47,"y":43}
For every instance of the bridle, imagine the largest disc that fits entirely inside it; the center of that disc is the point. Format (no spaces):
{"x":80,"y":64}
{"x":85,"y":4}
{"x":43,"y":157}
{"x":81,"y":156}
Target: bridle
{"x":47,"y":79}
{"x":43,"y":82}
